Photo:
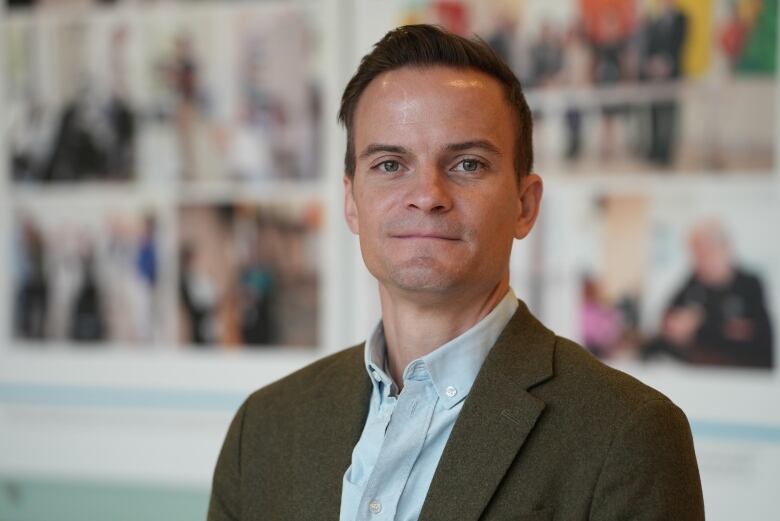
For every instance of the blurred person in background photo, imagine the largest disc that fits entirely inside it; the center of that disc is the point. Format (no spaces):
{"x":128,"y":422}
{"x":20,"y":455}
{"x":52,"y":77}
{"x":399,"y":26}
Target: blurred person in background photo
{"x":718,"y":316}
{"x":460,"y":404}
{"x":662,"y":65}
{"x":183,"y":79}
{"x":576,"y":73}
{"x":609,"y":330}
{"x":87,"y":315}
{"x":609,"y":70}
{"x":32,"y":293}
{"x":198,"y":297}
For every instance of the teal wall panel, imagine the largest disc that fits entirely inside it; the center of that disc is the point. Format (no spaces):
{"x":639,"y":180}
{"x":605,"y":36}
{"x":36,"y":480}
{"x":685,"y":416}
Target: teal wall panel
{"x":30,"y":499}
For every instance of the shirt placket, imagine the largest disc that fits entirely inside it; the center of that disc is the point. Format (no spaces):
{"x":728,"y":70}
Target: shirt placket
{"x":403,"y":442}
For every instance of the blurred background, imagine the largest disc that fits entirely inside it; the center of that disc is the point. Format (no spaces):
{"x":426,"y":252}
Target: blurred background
{"x":171,"y":232}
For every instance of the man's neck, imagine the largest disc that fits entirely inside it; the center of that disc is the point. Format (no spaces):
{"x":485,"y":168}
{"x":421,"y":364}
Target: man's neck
{"x":413,"y":330}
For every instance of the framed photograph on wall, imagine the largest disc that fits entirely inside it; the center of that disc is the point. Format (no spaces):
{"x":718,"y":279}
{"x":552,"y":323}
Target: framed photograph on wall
{"x":249,"y":274}
{"x":230,"y":93}
{"x":86,"y":274}
{"x":653,"y":276}
{"x":71,"y":112}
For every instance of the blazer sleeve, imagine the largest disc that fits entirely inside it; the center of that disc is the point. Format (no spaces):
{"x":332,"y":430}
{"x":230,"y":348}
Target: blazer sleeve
{"x":650,"y":472}
{"x":225,"y":501}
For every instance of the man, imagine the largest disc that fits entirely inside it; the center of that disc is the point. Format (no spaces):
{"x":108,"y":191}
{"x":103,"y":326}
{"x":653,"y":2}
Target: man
{"x":718,"y":317}
{"x":460,"y":406}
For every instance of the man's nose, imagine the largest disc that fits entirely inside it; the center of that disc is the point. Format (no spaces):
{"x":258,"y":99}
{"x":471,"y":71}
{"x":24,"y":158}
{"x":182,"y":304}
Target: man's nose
{"x":430,"y":191}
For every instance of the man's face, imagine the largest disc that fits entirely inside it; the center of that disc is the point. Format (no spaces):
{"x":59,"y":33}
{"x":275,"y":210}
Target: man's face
{"x":711,"y":254}
{"x":435,"y":198}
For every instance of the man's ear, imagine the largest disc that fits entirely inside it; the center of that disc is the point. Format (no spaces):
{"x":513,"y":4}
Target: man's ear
{"x":350,"y":208}
{"x":530,"y":201}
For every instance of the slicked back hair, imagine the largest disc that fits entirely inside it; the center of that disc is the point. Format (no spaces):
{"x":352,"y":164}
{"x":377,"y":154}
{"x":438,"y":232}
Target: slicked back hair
{"x":423,"y":46}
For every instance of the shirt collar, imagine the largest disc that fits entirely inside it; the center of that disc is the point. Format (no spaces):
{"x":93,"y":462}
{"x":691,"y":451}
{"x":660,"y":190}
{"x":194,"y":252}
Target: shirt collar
{"x":453,"y":367}
{"x":376,"y":362}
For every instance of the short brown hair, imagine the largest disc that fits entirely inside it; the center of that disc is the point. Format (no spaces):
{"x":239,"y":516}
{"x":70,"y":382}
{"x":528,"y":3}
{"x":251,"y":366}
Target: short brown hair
{"x":427,"y":45}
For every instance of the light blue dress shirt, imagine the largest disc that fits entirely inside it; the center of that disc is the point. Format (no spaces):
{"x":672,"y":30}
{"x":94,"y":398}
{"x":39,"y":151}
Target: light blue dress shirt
{"x":405,"y":433}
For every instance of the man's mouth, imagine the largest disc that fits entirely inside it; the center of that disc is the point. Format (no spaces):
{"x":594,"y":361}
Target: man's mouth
{"x":425,"y":235}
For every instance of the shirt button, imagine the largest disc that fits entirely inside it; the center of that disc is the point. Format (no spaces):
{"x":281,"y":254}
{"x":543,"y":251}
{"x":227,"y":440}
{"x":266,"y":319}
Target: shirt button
{"x":375,"y":506}
{"x":451,"y":391}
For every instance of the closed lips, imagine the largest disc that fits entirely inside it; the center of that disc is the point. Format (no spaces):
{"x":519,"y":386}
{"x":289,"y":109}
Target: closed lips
{"x":425,"y":236}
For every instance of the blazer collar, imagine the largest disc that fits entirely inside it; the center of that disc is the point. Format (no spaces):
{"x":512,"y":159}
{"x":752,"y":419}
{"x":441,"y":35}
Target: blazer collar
{"x":343,"y":390}
{"x":495,"y":421}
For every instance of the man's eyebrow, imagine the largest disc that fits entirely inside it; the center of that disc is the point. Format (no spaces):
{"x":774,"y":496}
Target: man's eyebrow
{"x":476,"y":143}
{"x":373,"y":148}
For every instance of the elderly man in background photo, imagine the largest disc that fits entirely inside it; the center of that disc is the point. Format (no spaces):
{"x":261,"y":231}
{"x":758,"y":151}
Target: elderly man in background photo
{"x":719,"y":315}
{"x":460,"y":405}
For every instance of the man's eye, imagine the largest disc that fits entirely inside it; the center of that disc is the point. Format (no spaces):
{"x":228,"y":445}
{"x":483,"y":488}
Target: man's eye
{"x":469,"y":165}
{"x":389,"y":166}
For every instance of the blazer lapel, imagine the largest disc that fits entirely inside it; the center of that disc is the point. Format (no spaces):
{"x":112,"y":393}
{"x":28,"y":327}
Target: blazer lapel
{"x":345,"y":390}
{"x":495,"y":421}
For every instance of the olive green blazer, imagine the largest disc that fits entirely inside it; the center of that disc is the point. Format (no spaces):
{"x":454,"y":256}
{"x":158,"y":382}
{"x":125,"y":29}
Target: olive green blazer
{"x":547,"y":432}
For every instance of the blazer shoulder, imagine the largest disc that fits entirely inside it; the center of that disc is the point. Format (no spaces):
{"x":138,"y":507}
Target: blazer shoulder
{"x":599,"y":383}
{"x":300,"y":385}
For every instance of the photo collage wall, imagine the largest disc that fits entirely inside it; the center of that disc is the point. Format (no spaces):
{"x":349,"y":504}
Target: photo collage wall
{"x":163,"y":162}
{"x":163,"y":167}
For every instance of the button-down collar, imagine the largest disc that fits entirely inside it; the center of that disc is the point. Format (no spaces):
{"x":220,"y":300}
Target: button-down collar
{"x":452,"y":367}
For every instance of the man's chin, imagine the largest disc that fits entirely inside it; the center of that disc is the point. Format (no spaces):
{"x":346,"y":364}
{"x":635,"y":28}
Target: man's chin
{"x":423,"y":276}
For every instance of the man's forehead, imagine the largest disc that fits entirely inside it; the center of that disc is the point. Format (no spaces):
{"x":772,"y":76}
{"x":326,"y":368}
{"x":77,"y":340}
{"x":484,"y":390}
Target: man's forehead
{"x":436,"y":78}
{"x":415,"y":98}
